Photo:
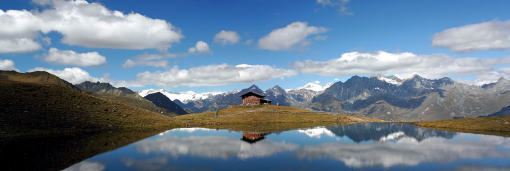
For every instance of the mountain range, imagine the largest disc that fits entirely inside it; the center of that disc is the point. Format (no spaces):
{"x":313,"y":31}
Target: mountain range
{"x":388,"y":98}
{"x":122,"y":95}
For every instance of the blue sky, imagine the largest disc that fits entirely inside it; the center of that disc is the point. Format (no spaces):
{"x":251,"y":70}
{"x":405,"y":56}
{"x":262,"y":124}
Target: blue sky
{"x":286,"y":43}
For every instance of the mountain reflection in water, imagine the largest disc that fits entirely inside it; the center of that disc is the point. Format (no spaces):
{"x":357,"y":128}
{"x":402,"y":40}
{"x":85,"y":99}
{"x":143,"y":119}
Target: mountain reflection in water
{"x":362,"y":146}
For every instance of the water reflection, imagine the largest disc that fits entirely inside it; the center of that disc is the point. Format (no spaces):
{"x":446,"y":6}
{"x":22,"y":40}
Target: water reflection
{"x":362,"y":146}
{"x":212,"y":147}
{"x":383,"y":131}
{"x":406,"y":151}
{"x":86,"y":165}
{"x":253,"y":137}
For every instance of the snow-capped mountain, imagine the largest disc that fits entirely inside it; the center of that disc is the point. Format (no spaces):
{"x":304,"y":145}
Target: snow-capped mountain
{"x":181,"y":96}
{"x":315,"y":86}
{"x":392,"y":79}
{"x":305,"y":93}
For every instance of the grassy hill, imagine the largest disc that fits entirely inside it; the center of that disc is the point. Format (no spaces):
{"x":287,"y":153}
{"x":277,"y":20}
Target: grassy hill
{"x":266,"y":118}
{"x":495,"y":125}
{"x":40,"y":103}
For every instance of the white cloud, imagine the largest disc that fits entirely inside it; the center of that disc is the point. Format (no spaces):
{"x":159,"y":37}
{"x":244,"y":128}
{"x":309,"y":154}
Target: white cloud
{"x":153,"y":60}
{"x":212,"y":75}
{"x":209,"y":75}
{"x":227,"y":37}
{"x":489,"y":77}
{"x":83,"y":24}
{"x":200,"y":47}
{"x":492,"y":35}
{"x":289,"y":36}
{"x":341,"y":4}
{"x":6,"y":64}
{"x":18,"y":45}
{"x":73,"y":75}
{"x":69,"y":57}
{"x":403,"y":64}
{"x":93,"y":25}
{"x":18,"y":28}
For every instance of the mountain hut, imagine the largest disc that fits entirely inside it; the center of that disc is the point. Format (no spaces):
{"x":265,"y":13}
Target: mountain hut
{"x":252,"y":98}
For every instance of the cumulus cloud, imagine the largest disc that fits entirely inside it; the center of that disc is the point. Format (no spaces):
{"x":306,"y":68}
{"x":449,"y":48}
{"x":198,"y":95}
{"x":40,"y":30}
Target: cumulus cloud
{"x":403,"y":64}
{"x":153,"y":60}
{"x":290,"y":36}
{"x":93,"y":25}
{"x":200,"y":47}
{"x":489,"y":77}
{"x":212,"y":75}
{"x":18,"y":28}
{"x":212,"y":147}
{"x":73,"y":75}
{"x":492,"y":35}
{"x":83,"y":24}
{"x":69,"y":57}
{"x":227,"y":37}
{"x":6,"y":64}
{"x":340,"y":4}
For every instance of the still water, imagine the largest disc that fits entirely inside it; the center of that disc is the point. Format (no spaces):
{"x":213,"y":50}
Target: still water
{"x":369,"y":146}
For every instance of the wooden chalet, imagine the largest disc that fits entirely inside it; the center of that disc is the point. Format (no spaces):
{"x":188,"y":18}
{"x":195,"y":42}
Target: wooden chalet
{"x":252,"y":98}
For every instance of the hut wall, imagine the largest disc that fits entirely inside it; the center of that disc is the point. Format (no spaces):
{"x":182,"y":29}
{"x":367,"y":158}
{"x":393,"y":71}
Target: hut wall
{"x":251,"y":100}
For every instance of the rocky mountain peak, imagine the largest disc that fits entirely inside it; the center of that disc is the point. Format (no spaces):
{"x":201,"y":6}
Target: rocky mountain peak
{"x":105,"y":87}
{"x":252,"y":88}
{"x":277,"y":88}
{"x":160,"y":100}
{"x":275,"y":91}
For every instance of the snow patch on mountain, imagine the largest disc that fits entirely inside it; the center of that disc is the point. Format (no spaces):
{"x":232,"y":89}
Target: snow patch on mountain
{"x":315,"y":86}
{"x":395,"y":80}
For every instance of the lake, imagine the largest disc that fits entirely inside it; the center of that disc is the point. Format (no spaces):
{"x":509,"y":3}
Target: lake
{"x":368,"y":146}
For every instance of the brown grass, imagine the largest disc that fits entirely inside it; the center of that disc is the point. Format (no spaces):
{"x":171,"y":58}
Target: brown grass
{"x":496,"y":125}
{"x":266,"y":118}
{"x":32,"y":109}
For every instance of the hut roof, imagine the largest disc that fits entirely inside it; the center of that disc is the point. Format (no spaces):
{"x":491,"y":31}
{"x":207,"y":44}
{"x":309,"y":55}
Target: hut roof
{"x":250,"y":93}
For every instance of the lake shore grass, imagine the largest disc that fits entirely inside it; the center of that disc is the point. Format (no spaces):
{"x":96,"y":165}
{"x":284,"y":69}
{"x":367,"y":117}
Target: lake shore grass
{"x":266,"y":118}
{"x":495,"y":125}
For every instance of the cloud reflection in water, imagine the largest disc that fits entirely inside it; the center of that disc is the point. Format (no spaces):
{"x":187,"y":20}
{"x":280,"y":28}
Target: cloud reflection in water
{"x":406,"y":151}
{"x":212,"y":147}
{"x":393,"y":149}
